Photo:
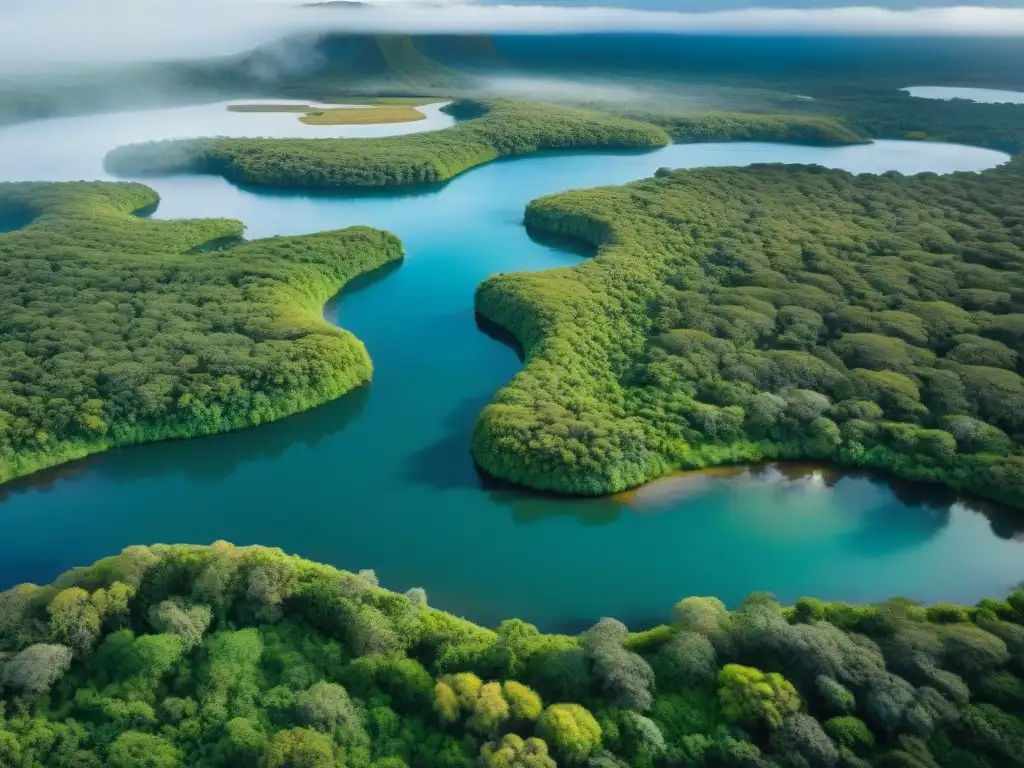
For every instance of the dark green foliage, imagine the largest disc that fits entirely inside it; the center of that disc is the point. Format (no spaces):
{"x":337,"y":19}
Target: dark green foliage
{"x":112,"y":333}
{"x":770,"y":312}
{"x":504,"y":128}
{"x":740,"y":126}
{"x":273,"y":677}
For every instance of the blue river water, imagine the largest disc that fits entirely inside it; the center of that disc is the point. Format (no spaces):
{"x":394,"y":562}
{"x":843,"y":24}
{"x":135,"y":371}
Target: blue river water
{"x":382,"y":478}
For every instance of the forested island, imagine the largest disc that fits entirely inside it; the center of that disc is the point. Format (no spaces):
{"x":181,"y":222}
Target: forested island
{"x":117,"y":330}
{"x":491,"y":129}
{"x":174,"y":656}
{"x":736,"y":315}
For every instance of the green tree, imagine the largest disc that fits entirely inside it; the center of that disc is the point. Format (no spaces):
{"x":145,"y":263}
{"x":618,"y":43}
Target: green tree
{"x":748,"y":695}
{"x":571,"y":730}
{"x":513,"y":752}
{"x":299,"y":748}
{"x":142,"y":750}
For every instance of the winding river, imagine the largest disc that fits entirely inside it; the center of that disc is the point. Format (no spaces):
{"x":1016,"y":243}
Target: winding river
{"x":382,"y":478}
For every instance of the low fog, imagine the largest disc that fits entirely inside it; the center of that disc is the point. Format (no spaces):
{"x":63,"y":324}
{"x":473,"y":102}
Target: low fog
{"x":37,"y":35}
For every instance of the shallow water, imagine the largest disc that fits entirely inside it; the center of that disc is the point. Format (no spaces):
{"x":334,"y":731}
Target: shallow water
{"x":382,"y":478}
{"x":979,"y":95}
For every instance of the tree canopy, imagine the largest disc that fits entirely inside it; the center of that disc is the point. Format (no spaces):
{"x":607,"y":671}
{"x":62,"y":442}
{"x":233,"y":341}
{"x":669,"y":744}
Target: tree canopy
{"x":116,"y":330}
{"x":199,"y":663}
{"x":769,"y":312}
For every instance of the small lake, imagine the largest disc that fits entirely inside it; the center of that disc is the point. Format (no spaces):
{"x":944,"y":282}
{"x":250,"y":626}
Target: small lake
{"x":979,"y":95}
{"x":382,"y":478}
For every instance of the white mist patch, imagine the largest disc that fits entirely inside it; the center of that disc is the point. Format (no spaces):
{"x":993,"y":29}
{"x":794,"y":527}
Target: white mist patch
{"x":40,"y":34}
{"x":977,"y":95}
{"x":562,"y":89}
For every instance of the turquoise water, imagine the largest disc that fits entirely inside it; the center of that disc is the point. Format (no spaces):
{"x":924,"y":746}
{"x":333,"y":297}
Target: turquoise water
{"x":979,"y":95}
{"x":382,"y":478}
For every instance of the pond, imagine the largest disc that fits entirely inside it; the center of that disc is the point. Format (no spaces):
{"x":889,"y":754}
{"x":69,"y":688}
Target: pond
{"x":382,"y":478}
{"x":979,"y":95}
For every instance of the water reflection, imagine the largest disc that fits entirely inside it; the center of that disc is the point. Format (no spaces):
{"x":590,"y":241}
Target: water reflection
{"x":445,"y":464}
{"x":925,"y":507}
{"x":574,"y":245}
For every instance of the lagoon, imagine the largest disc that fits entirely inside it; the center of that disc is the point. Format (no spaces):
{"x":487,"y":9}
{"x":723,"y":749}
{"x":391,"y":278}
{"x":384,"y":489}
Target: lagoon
{"x":382,"y":478}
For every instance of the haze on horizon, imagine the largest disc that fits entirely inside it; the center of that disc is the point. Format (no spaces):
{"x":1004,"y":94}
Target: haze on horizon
{"x":49,"y":34}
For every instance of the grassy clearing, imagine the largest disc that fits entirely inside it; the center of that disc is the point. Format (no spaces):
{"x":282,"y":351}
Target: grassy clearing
{"x":255,"y":108}
{"x":367,"y":116}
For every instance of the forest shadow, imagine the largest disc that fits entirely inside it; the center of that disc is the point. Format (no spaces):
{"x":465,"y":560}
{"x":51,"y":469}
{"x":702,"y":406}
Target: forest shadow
{"x":423,"y":189}
{"x":926,"y":511}
{"x":203,"y":460}
{"x":500,"y":334}
{"x":358,"y":284}
{"x":446,"y":464}
{"x":15,"y":217}
{"x":529,"y":506}
{"x":575,"y":246}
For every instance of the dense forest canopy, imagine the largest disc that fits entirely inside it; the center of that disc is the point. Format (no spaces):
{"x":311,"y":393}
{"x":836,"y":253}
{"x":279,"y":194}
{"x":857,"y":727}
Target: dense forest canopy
{"x":116,"y":330}
{"x":769,"y":312}
{"x":174,"y":656}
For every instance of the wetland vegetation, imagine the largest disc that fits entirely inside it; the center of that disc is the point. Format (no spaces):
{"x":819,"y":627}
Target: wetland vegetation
{"x":173,"y":656}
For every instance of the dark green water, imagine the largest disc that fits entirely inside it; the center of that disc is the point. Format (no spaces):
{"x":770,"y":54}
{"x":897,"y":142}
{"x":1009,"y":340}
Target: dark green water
{"x":383,"y":478}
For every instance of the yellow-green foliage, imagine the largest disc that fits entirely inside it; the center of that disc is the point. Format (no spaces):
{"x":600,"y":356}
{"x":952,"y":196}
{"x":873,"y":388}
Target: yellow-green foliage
{"x":748,"y":695}
{"x":513,"y":752}
{"x":446,"y":703}
{"x":769,"y":312}
{"x":484,"y":706}
{"x":523,"y":703}
{"x":571,"y":731}
{"x":500,"y":128}
{"x":117,"y":330}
